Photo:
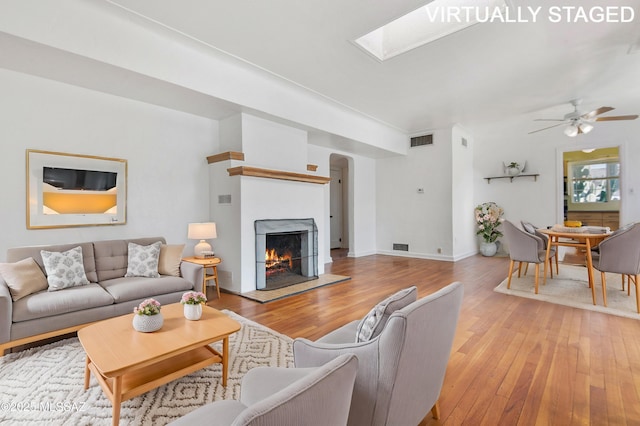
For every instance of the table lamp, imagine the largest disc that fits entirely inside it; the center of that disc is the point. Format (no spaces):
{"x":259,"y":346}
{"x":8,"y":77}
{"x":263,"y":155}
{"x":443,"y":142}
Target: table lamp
{"x":202,"y":232}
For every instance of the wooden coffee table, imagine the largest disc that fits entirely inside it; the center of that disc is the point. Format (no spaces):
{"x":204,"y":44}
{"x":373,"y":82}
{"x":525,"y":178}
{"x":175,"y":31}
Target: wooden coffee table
{"x":128,"y":363}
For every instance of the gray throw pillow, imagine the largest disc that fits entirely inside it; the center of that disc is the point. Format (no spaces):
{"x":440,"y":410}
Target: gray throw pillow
{"x":142,"y":261}
{"x":373,"y":323}
{"x":64,"y":269}
{"x":529,"y":227}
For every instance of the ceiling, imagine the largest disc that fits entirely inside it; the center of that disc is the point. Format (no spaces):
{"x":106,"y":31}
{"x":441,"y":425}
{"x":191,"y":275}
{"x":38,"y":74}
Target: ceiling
{"x":485,"y":74}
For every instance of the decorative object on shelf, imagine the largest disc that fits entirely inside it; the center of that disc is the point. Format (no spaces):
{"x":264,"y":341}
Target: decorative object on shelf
{"x":488,"y":218}
{"x":202,"y":232}
{"x":147,"y":316}
{"x":193,"y":301}
{"x":514,"y":168}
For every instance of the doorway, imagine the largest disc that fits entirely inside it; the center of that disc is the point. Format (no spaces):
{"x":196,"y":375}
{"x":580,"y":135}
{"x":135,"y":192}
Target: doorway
{"x":338,"y":205}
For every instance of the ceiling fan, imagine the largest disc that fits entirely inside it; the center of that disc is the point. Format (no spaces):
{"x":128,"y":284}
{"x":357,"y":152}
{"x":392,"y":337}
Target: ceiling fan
{"x":581,"y":122}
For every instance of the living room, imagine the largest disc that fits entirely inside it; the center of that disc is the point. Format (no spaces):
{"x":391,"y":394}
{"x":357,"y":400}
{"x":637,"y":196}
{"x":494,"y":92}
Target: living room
{"x":93,"y":78}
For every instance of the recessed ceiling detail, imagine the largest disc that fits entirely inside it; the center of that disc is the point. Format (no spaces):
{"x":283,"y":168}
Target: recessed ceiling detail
{"x":437,"y":19}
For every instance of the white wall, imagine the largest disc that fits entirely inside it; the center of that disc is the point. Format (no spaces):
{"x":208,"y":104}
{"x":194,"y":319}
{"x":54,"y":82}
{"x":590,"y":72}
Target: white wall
{"x":421,"y":220}
{"x":541,"y":202}
{"x":463,"y":224}
{"x":166,"y":153}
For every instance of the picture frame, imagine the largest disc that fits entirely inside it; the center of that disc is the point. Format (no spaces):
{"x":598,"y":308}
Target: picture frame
{"x":69,"y":190}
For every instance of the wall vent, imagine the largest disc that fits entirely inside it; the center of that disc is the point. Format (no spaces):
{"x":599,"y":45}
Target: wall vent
{"x":464,"y":142}
{"x":224,"y":199}
{"x":422,"y":140}
{"x":401,"y":247}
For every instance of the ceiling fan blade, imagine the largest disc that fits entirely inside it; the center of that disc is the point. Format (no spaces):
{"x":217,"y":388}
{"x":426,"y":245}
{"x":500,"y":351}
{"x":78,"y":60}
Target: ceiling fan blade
{"x":550,"y":127}
{"x":617,"y":117}
{"x":595,"y":112}
{"x":549,"y":119}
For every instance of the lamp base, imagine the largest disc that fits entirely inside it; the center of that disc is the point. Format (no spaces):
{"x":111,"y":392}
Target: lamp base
{"x":201,"y":249}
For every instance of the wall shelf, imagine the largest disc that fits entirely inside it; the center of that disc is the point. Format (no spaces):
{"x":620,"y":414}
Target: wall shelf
{"x":533,"y":175}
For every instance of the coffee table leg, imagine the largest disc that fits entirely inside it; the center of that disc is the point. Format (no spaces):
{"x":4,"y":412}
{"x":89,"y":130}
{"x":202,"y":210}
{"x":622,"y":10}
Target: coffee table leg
{"x":87,"y":373}
{"x":225,"y":360}
{"x":117,"y":400}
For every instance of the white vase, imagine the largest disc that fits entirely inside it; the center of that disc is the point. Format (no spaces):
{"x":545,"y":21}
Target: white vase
{"x":488,"y":249}
{"x":513,"y":171}
{"x":147,"y":323}
{"x":192,"y":312}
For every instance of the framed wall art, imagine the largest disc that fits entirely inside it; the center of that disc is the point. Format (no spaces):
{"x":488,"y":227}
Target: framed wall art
{"x":65,"y":190}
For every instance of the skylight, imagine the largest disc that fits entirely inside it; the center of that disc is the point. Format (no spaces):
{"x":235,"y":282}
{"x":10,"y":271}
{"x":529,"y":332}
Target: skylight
{"x":437,"y":19}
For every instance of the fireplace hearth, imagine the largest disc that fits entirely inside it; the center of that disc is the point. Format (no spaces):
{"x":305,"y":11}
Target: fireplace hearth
{"x":286,"y":252}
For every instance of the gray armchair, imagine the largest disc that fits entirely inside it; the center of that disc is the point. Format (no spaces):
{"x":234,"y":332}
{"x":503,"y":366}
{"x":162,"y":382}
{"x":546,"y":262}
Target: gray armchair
{"x":525,"y":247}
{"x":401,"y":370}
{"x":532,"y":229}
{"x":271,"y":396}
{"x":620,"y":253}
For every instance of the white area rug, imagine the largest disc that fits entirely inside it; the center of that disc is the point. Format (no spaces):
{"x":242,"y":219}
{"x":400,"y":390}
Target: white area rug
{"x":45,"y":385}
{"x":571,"y":288}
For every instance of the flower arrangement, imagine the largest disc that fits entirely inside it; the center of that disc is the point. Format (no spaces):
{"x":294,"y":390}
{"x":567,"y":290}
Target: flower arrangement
{"x":488,"y":218}
{"x":193,"y":298}
{"x":147,"y":307}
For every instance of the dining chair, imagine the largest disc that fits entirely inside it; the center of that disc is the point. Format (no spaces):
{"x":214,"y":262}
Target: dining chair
{"x":620,"y":254}
{"x":525,"y":247}
{"x":532,"y":229}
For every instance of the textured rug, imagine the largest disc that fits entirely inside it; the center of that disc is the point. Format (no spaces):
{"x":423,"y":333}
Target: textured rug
{"x":571,"y":288}
{"x":45,"y":385}
{"x":264,"y":296}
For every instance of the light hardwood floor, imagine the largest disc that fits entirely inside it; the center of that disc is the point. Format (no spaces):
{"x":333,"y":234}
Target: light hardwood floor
{"x":514,"y":361}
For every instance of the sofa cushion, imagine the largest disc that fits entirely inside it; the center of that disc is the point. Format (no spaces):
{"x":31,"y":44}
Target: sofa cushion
{"x":112,"y":256}
{"x":170,"y":258}
{"x":134,"y":288}
{"x":88,"y":258}
{"x":72,"y":299}
{"x":373,"y":323}
{"x":23,"y":278}
{"x":64,"y":269}
{"x":142,"y":261}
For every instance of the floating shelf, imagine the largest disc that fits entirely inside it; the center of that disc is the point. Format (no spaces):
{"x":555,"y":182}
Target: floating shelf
{"x":533,"y":175}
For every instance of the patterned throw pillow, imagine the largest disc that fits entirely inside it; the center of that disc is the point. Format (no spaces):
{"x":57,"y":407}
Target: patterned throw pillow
{"x":373,"y":323}
{"x":143,"y":260}
{"x":64,"y":269}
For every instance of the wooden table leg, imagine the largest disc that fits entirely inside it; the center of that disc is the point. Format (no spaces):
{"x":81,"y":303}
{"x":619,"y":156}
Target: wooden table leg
{"x":117,"y":400}
{"x":590,"y":270}
{"x":225,"y":360}
{"x":546,"y":259}
{"x":87,"y":373}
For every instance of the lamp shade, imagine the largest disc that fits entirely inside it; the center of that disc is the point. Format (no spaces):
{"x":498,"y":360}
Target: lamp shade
{"x":586,"y":127}
{"x":571,"y":130}
{"x":202,"y":231}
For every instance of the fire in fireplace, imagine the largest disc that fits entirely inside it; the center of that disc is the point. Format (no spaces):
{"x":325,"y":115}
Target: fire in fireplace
{"x":286,"y":252}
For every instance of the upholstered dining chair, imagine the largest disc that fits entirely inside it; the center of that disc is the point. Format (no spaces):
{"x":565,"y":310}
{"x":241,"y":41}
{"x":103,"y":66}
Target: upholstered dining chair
{"x":525,"y":247}
{"x":401,"y":369}
{"x":620,"y":254}
{"x":271,"y":396}
{"x":532,"y":229}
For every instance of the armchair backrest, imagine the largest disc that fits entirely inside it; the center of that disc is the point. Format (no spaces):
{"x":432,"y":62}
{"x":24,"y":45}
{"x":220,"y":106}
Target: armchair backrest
{"x":414,"y":350}
{"x":320,"y":398}
{"x":620,"y":253}
{"x":523,"y":246}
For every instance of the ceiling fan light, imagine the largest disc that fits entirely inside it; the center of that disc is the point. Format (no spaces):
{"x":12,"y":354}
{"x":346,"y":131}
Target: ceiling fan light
{"x":571,"y":130}
{"x":586,"y":127}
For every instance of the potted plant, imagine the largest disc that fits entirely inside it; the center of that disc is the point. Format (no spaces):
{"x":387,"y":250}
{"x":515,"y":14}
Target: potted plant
{"x":488,"y":218}
{"x":193,"y":301}
{"x":513,"y":168}
{"x":147,"y":316}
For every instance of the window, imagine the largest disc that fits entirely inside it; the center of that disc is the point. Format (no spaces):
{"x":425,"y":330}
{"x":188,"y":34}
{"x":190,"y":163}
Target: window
{"x":594,"y":182}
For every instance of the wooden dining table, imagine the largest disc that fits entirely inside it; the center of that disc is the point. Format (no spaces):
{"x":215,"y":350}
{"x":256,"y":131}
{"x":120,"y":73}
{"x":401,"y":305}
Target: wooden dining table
{"x":580,"y":240}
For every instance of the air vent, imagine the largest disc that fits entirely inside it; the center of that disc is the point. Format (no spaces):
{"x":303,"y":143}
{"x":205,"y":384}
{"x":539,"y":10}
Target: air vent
{"x":422,"y":140}
{"x":464,"y":142}
{"x":224,"y":199}
{"x":401,"y":247}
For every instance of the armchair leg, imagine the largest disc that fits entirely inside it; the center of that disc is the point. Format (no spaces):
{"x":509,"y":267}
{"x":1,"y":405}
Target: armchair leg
{"x":635,"y":281}
{"x":435,"y":410}
{"x":537,"y":276}
{"x":511,"y":263}
{"x":604,"y":288}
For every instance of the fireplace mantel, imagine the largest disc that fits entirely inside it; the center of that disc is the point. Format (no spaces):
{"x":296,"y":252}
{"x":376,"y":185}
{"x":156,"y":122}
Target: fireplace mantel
{"x":277,"y":174}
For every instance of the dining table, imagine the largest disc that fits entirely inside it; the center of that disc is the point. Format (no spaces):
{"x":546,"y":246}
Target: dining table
{"x":578,"y":238}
